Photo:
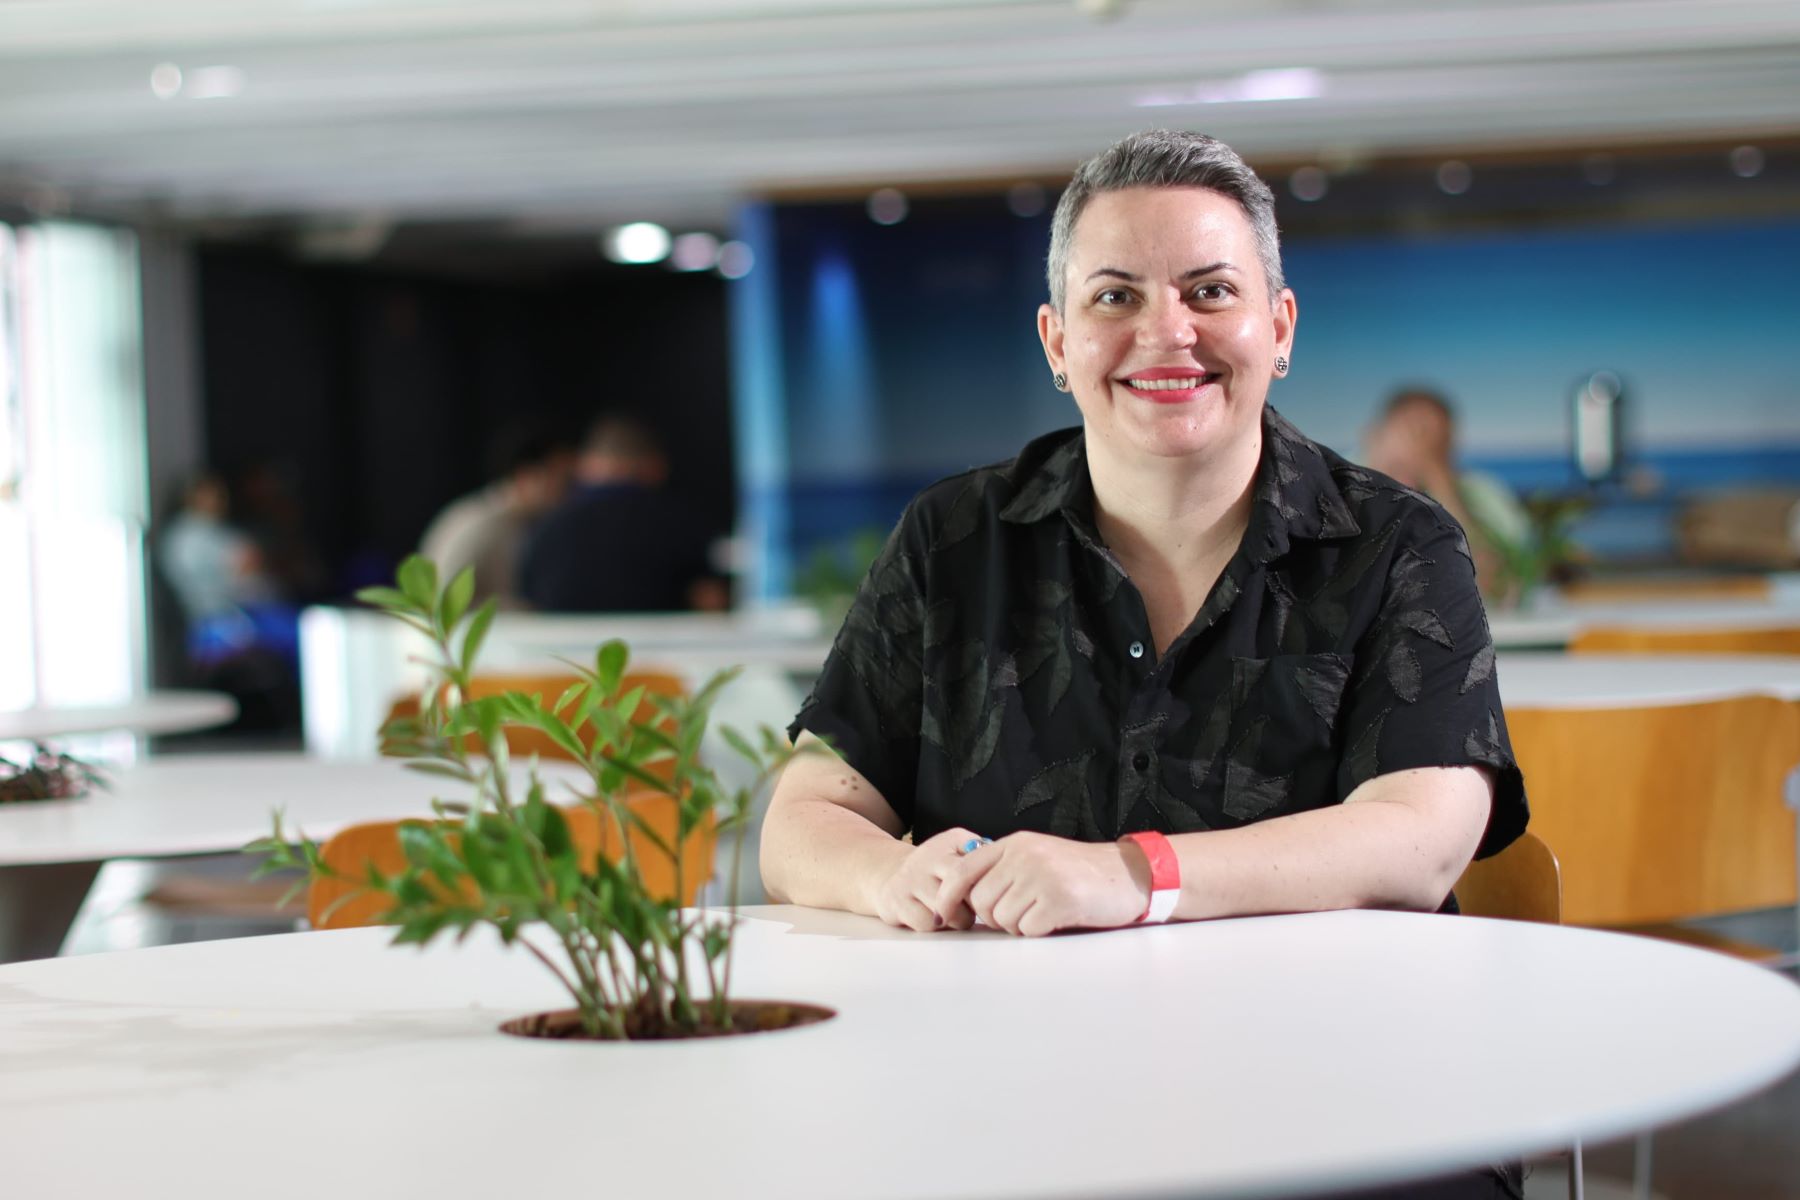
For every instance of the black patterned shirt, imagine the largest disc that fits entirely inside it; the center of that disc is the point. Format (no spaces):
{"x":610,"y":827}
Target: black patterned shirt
{"x":997,"y":671}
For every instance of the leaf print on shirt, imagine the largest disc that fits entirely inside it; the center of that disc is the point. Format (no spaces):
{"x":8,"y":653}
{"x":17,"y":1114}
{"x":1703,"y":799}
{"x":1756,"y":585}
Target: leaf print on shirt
{"x":1249,"y":790}
{"x":1063,"y":784}
{"x":1044,"y":638}
{"x":1481,"y":669}
{"x":972,"y":713}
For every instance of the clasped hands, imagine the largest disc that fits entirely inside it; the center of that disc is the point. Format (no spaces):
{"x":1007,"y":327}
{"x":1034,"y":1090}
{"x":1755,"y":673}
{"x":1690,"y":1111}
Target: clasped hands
{"x":1025,"y":883}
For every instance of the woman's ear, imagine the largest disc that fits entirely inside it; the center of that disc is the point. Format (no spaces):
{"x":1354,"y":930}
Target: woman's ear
{"x":1287,"y":314}
{"x":1050,"y":332}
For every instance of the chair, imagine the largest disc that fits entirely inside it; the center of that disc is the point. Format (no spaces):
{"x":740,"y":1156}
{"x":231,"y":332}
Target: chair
{"x":1632,"y":639}
{"x":1771,"y":775}
{"x":1524,"y":883}
{"x":352,"y":850}
{"x":1521,"y":883}
{"x":1662,"y":813}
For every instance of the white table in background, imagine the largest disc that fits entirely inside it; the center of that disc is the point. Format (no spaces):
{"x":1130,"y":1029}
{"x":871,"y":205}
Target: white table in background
{"x":1254,"y":1057}
{"x":150,"y":713}
{"x":1553,"y":622}
{"x":178,"y":806}
{"x":1550,"y":679}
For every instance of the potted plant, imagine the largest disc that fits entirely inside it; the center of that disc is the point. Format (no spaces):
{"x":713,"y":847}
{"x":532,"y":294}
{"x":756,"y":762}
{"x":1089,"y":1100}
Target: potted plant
{"x":636,"y":965}
{"x":47,"y":775}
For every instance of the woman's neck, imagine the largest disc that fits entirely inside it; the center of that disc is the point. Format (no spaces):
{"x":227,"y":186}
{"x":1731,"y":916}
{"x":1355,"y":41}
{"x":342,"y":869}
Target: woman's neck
{"x":1174,"y":524}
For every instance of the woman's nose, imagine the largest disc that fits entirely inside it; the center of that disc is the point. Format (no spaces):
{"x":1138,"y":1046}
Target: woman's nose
{"x":1167,"y":324}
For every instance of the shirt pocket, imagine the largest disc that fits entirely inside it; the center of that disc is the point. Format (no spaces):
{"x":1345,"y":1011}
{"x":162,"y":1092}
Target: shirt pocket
{"x":1281,"y":755}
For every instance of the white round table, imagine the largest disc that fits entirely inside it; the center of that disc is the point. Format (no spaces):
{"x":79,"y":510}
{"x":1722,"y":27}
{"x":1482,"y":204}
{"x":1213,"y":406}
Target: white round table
{"x":150,"y":713}
{"x":51,"y":850}
{"x":1532,"y":679}
{"x":1254,"y":1057}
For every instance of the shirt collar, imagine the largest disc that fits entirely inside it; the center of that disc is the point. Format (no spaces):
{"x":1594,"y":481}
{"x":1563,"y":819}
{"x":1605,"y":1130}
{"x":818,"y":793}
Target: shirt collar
{"x":1295,"y":495}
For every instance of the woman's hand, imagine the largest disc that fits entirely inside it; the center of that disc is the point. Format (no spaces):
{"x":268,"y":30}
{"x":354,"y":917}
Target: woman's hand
{"x":906,"y":896}
{"x":1033,"y":884}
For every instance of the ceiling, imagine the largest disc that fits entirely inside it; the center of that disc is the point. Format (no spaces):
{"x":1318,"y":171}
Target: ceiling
{"x":559,"y":115}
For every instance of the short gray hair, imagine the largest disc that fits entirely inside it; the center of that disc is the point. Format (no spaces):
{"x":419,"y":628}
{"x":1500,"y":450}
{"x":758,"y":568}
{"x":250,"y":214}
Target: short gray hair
{"x":1166,"y":158}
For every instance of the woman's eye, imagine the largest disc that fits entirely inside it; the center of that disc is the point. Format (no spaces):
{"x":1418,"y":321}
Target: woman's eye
{"x":1113,"y":296}
{"x":1212,"y":292}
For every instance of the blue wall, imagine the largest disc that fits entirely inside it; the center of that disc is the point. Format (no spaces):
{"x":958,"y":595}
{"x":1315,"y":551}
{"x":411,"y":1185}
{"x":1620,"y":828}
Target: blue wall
{"x":891,"y":356}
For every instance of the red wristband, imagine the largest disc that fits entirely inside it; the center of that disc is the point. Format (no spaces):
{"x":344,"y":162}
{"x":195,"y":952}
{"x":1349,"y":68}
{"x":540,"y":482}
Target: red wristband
{"x":1165,"y":875}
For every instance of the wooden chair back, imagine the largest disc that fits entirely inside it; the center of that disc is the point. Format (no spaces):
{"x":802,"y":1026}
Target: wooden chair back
{"x":352,"y":850}
{"x":1627,"y":639}
{"x":1521,"y":883}
{"x":1655,"y":591}
{"x":1663,"y":813}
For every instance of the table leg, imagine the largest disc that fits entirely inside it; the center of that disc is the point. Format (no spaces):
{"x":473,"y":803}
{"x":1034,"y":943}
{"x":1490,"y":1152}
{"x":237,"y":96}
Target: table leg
{"x":38,"y":903}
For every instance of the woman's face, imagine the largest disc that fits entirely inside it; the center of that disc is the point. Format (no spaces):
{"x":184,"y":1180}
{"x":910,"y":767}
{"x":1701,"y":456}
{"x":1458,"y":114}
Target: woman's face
{"x":1167,"y":334}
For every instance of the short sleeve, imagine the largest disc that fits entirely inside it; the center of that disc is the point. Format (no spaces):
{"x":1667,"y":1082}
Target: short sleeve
{"x":867,"y":700}
{"x":1424,"y":692}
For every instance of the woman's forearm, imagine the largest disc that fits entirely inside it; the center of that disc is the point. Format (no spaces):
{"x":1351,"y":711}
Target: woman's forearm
{"x":819,"y":853}
{"x":1386,"y":850}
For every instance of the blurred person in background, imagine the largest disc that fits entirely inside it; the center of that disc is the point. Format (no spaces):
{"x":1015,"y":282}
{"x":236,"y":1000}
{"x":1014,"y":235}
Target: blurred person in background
{"x":242,"y":632}
{"x":488,"y":529}
{"x":621,"y":541}
{"x":1414,"y":442}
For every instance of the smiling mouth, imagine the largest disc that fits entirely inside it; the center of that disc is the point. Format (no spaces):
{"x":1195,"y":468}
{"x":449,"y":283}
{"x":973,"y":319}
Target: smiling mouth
{"x":1187,"y":383}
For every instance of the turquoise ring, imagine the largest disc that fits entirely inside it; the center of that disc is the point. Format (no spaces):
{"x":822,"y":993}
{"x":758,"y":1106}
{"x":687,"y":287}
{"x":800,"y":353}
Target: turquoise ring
{"x":974,"y":844}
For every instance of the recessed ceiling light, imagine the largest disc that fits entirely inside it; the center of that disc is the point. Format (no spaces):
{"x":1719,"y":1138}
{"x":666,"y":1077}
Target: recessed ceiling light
{"x":1454,"y":176}
{"x":638,"y":242}
{"x":1026,"y":199}
{"x":695,"y":252}
{"x":1280,"y":83}
{"x":1309,"y":183}
{"x":735,"y":260}
{"x":165,"y":80}
{"x":214,"y":83}
{"x":1747,"y":162}
{"x":887,"y":206}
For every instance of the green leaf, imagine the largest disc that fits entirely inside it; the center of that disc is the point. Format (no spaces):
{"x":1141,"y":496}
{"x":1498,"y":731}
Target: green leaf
{"x":478,"y":628}
{"x":444,"y":770}
{"x":609,"y":664}
{"x":455,"y":601}
{"x":385,"y":597}
{"x":418,"y":580}
{"x":737,"y":742}
{"x":575,"y":691}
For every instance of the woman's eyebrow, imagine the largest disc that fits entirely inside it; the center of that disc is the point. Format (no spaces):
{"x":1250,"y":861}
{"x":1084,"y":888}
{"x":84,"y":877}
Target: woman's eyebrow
{"x":1210,"y":269}
{"x":1128,"y":277}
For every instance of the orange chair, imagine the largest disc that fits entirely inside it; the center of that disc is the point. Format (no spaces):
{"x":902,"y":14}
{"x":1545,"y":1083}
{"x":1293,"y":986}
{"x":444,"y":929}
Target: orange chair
{"x":1521,"y":883}
{"x":1629,"y":639}
{"x":343,"y":903}
{"x":1662,"y":813}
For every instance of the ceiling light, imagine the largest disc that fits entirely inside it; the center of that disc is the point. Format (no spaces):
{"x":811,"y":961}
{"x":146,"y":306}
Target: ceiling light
{"x":1026,"y":199}
{"x":735,"y":260}
{"x":165,"y":80}
{"x":1281,"y":83}
{"x":1454,"y":176}
{"x":887,"y":206}
{"x":214,"y":83}
{"x":1309,"y":183}
{"x":1747,"y":162}
{"x":694,"y":252}
{"x":638,"y":242}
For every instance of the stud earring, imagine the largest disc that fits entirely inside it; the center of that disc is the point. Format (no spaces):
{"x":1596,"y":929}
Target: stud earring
{"x":1281,"y":364}
{"x":1060,"y":382}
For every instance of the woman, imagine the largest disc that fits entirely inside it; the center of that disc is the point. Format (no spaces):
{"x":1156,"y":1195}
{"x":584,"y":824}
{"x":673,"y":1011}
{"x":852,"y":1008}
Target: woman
{"x":1181,"y":662}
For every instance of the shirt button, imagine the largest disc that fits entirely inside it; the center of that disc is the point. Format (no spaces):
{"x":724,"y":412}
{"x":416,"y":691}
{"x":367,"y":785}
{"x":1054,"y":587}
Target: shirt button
{"x":1137,"y":649}
{"x":1141,"y":761}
